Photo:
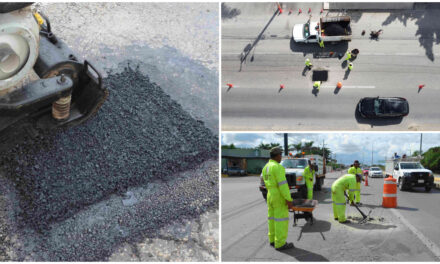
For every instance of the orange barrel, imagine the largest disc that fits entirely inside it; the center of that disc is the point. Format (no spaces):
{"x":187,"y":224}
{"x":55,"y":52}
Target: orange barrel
{"x":389,"y":192}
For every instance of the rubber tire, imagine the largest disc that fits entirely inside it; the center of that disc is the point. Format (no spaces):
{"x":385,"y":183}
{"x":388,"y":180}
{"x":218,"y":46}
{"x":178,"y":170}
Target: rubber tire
{"x":427,"y":189}
{"x":401,"y":185}
{"x":303,"y":192}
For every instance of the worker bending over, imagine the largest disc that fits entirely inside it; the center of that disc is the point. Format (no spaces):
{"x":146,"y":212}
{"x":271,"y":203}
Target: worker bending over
{"x":278,"y":200}
{"x":356,"y":170}
{"x":342,"y":184}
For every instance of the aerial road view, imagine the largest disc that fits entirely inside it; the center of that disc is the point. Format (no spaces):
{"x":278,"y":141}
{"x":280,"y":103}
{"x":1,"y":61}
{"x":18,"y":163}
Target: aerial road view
{"x":330,"y":66}
{"x":104,"y":154}
{"x":330,"y":197}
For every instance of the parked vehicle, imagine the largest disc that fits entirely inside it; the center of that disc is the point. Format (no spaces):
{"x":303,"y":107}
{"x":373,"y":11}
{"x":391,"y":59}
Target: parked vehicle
{"x":375,"y":172}
{"x":294,"y":175}
{"x":410,"y":173}
{"x":383,"y":107}
{"x":234,"y":171}
{"x":365,"y":171}
{"x":328,"y":29}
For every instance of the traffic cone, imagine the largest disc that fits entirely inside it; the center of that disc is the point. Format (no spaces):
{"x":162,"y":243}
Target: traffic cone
{"x":279,"y":9}
{"x":300,"y":11}
{"x":421,"y":86}
{"x":366,"y":180}
{"x":230,"y":85}
{"x":322,"y":11}
{"x":290,"y":11}
{"x":281,"y":86}
{"x":339,"y":85}
{"x":310,"y":10}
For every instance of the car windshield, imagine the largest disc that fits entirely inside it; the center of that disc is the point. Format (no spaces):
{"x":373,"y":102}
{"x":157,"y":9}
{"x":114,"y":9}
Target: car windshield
{"x":375,"y":169}
{"x":378,"y":106}
{"x":306,"y":30}
{"x":294,"y":163}
{"x":411,"y":166}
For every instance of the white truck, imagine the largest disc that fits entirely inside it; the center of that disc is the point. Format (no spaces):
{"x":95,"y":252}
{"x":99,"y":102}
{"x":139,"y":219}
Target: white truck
{"x":328,"y":29}
{"x":410,"y":173}
{"x":294,"y":175}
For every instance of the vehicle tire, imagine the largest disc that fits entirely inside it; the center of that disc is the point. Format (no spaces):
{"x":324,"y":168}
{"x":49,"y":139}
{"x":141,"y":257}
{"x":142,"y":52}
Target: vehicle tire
{"x":303,"y":192}
{"x":400,"y":183}
{"x":427,"y":188}
{"x":264,"y":195}
{"x":321,"y":182}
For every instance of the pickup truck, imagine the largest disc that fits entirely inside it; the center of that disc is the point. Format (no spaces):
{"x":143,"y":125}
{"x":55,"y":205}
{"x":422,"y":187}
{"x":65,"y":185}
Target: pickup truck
{"x":294,"y":175}
{"x":328,"y":29}
{"x":411,"y":174}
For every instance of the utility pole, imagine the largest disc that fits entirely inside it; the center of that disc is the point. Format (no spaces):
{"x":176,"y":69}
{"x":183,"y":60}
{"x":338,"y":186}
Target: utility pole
{"x":286,"y":144}
{"x":421,"y":136}
{"x":371,"y":153}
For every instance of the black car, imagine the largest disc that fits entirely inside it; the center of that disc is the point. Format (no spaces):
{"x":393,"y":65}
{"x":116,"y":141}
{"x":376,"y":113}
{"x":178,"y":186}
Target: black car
{"x":371,"y":107}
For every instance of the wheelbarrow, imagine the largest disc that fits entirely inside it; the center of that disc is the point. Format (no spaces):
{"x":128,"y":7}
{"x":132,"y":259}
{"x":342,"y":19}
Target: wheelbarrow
{"x":303,"y":208}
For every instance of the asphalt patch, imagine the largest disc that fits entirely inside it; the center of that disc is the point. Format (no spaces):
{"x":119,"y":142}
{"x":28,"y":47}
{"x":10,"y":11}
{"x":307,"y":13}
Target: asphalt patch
{"x":139,"y":135}
{"x":320,"y":75}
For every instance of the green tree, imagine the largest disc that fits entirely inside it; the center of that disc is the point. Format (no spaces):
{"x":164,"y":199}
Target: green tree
{"x":268,"y":146}
{"x":431,"y":159}
{"x":231,"y":146}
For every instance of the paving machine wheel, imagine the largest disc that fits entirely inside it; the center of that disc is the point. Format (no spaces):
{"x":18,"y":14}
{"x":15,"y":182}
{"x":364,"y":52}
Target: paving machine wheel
{"x":40,"y":77}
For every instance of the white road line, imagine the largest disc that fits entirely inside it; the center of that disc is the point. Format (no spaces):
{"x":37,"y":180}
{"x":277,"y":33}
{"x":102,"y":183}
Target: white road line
{"x":351,"y":87}
{"x":426,"y":241}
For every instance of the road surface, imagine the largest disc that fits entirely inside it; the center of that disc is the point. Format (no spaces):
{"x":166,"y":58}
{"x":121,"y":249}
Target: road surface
{"x":408,"y":233}
{"x":405,"y":56}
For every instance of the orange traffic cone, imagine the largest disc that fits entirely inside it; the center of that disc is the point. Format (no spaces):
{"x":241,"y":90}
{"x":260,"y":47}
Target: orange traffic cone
{"x":339,"y":85}
{"x":300,"y":11}
{"x":310,"y":10}
{"x":279,"y":9}
{"x":281,"y":86}
{"x":421,"y":86}
{"x":366,"y":179}
{"x":290,"y":11}
{"x":230,"y":85}
{"x":322,"y":10}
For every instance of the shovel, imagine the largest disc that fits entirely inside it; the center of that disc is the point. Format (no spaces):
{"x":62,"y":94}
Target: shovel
{"x":364,"y":216}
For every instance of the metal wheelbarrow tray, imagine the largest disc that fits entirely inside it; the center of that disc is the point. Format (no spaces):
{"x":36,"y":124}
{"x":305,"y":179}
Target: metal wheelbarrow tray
{"x":303,"y":208}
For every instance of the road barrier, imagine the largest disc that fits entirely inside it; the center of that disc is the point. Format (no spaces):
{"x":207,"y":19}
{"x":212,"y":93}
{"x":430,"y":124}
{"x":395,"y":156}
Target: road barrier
{"x":389,"y":192}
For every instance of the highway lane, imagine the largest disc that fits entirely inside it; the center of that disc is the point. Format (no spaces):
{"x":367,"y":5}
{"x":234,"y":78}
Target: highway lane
{"x":393,"y":66}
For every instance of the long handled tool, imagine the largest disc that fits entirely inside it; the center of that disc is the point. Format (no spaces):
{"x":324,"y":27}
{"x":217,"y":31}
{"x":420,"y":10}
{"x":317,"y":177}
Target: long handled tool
{"x":362,"y":213}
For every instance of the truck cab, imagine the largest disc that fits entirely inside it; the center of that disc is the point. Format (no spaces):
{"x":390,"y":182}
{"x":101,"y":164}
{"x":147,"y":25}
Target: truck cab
{"x":307,"y":33}
{"x":411,"y":174}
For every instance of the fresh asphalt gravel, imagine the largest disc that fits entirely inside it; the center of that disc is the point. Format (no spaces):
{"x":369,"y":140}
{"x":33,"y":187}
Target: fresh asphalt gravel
{"x":138,"y":136}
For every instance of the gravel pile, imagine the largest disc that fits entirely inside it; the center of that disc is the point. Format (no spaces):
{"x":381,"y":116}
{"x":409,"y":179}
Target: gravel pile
{"x":139,"y":135}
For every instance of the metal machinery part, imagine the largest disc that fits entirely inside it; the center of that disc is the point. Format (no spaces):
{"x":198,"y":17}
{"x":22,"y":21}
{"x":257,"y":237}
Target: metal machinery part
{"x":19,"y":44}
{"x":49,"y":103}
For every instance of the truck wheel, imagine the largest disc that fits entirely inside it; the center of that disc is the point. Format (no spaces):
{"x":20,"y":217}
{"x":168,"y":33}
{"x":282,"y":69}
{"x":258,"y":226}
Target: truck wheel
{"x":427,"y":188}
{"x":321,"y":182}
{"x":401,"y":185}
{"x":303,"y":192}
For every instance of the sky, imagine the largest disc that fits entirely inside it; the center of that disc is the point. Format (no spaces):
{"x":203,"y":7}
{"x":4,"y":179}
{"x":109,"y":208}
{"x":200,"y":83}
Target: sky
{"x":346,"y":147}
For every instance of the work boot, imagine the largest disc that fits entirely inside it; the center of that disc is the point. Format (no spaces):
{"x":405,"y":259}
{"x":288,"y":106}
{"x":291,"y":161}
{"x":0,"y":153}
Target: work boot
{"x":359,"y":203}
{"x":345,"y":222}
{"x":286,"y":246}
{"x":336,"y":219}
{"x":272,"y":244}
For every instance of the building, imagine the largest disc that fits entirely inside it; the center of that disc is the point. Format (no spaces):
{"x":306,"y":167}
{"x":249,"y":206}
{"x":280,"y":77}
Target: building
{"x":250,"y":160}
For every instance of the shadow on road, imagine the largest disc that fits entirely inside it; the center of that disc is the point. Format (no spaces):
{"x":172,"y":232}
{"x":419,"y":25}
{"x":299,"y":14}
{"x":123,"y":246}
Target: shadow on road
{"x":407,"y":208}
{"x":427,"y":21}
{"x":370,"y":226}
{"x":313,"y":48}
{"x":319,"y":226}
{"x":376,"y":122}
{"x":304,"y":255}
{"x":248,"y":48}
{"x":347,"y":73}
